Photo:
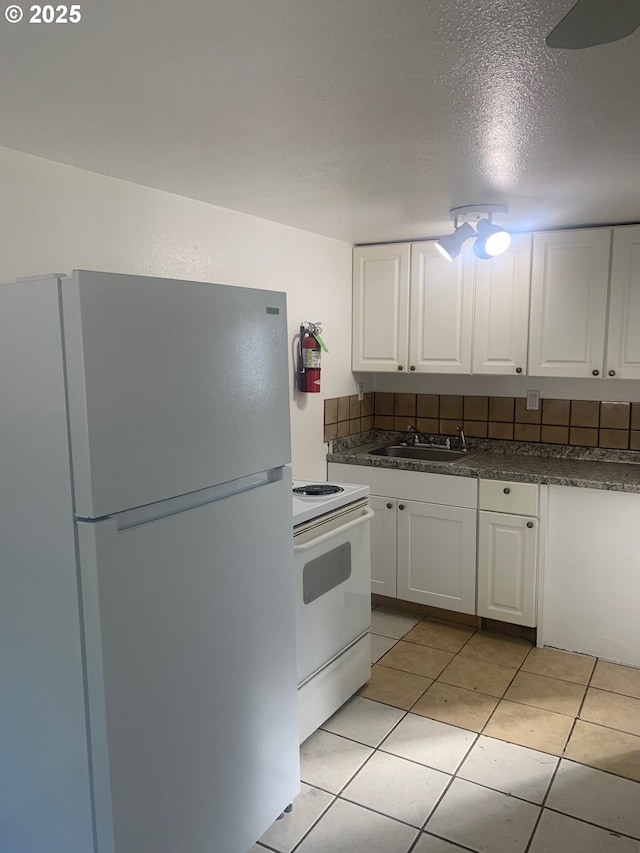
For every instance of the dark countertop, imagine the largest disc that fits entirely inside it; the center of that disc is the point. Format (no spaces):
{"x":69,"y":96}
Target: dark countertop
{"x":615,"y":470}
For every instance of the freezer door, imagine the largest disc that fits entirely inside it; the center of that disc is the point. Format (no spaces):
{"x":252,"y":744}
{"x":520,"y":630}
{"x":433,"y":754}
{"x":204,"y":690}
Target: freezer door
{"x":190,"y":646}
{"x":173,"y":386}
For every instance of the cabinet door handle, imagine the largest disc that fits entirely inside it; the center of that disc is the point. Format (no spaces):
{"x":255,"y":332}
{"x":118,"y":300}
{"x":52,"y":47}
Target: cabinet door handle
{"x":507,"y":491}
{"x":413,"y":367}
{"x":400,"y":367}
{"x":400,"y":506}
{"x":389,"y":506}
{"x":529,"y":523}
{"x":612,"y":373}
{"x":595,"y":372}
{"x":518,"y":370}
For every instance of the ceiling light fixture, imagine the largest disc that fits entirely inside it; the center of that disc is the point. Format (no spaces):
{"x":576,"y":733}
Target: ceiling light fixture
{"x":451,"y":245}
{"x":491,"y":239}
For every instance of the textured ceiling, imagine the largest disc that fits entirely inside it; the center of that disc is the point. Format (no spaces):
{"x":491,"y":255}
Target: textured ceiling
{"x":364,"y":120}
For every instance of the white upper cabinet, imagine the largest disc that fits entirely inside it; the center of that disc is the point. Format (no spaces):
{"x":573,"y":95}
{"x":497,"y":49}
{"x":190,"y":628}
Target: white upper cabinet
{"x":440,"y":313}
{"x":569,"y":284}
{"x":623,"y":342}
{"x":501,"y":326}
{"x":551,"y":305}
{"x":380,"y":307}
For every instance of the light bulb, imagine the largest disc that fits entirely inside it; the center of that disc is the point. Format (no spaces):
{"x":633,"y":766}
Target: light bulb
{"x":451,"y":245}
{"x":492,"y":240}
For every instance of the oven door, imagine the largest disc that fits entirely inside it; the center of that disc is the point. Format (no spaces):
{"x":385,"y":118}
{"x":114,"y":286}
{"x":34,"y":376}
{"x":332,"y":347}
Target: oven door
{"x":332,"y":561}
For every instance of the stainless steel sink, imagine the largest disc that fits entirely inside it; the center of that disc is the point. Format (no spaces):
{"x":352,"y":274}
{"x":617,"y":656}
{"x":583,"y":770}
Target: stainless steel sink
{"x":426,"y":454}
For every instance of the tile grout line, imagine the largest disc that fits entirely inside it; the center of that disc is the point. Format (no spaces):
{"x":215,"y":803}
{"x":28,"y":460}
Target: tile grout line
{"x":423,"y":827}
{"x":351,"y":778}
{"x":595,"y":825}
{"x":450,"y":783}
{"x":378,"y":748}
{"x":500,"y":699}
{"x":542,"y":806}
{"x":610,"y":728}
{"x":455,"y":775}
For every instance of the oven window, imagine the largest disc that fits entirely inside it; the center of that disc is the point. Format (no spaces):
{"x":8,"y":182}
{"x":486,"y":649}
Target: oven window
{"x":326,"y":572}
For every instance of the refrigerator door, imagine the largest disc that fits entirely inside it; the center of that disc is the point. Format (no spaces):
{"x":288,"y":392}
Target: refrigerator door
{"x":190,"y":644}
{"x":173,"y":386}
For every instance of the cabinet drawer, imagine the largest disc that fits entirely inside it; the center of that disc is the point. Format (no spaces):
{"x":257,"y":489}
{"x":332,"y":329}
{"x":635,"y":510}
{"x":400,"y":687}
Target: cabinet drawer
{"x":504,"y":496}
{"x":410,"y":485}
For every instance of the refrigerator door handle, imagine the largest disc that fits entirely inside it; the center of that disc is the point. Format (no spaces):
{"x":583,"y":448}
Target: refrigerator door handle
{"x":138,"y":516}
{"x":325,"y":537}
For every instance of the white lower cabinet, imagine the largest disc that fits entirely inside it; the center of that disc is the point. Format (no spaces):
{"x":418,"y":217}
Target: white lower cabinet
{"x":507,"y":560}
{"x":383,"y":545}
{"x":423,"y":535}
{"x":424,"y":552}
{"x":437,"y":555}
{"x":508,"y":551}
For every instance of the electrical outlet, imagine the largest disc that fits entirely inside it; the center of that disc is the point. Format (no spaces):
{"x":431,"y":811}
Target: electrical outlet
{"x":360,"y":391}
{"x":533,"y":401}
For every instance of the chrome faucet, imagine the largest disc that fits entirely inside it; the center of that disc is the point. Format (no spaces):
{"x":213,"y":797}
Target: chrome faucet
{"x":461,"y":441}
{"x":416,"y":435}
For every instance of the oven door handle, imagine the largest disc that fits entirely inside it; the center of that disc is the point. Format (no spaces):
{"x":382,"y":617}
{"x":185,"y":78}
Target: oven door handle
{"x":366,"y":516}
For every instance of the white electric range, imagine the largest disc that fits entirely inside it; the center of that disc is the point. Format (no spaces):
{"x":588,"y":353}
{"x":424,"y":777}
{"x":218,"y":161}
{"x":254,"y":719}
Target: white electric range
{"x":332,"y":563}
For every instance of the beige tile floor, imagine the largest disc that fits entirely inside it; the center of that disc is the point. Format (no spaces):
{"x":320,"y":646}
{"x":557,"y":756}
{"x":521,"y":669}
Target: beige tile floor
{"x":468,"y":741}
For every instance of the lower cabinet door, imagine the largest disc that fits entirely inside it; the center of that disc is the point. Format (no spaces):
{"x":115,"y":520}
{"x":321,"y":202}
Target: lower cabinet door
{"x":383,"y":546}
{"x":507,"y":567}
{"x":437,"y":555}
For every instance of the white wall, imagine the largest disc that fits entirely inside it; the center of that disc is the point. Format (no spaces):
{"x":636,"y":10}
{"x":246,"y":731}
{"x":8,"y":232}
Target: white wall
{"x":55,"y":218}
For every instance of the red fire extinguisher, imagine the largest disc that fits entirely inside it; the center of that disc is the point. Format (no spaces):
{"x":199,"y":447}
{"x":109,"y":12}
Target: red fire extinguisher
{"x":309,"y":350}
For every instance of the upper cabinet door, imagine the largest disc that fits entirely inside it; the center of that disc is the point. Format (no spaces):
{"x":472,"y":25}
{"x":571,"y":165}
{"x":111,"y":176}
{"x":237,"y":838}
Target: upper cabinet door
{"x":502,"y":309}
{"x":380,"y":307}
{"x":440,"y":313}
{"x":623,"y":342}
{"x":569,"y":283}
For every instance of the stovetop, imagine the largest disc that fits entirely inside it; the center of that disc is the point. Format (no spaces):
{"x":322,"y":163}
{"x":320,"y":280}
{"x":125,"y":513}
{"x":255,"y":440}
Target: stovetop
{"x":308,"y":507}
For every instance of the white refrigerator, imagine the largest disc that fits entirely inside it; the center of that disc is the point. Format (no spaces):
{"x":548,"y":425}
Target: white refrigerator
{"x":147,"y":619}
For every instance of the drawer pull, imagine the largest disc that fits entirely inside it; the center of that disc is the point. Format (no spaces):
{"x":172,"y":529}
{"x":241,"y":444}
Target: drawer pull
{"x":518,"y":370}
{"x":400,"y":506}
{"x":507,"y":491}
{"x":596,"y":372}
{"x":400,"y":367}
{"x":389,"y":506}
{"x":612,"y":373}
{"x":529,"y":523}
{"x":413,"y":367}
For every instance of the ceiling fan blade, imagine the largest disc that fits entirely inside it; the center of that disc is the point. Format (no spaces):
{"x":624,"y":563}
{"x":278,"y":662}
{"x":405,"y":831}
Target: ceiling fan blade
{"x":592,"y":22}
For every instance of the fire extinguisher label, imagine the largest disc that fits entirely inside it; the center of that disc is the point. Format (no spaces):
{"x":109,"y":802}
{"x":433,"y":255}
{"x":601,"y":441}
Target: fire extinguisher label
{"x":311,"y":359}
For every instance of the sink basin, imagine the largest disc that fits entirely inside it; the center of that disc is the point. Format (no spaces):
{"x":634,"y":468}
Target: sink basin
{"x":426,"y":454}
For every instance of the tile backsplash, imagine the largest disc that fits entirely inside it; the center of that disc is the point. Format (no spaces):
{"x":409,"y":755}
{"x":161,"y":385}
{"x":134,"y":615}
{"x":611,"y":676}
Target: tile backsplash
{"x":586,"y":423}
{"x":347,"y":416}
